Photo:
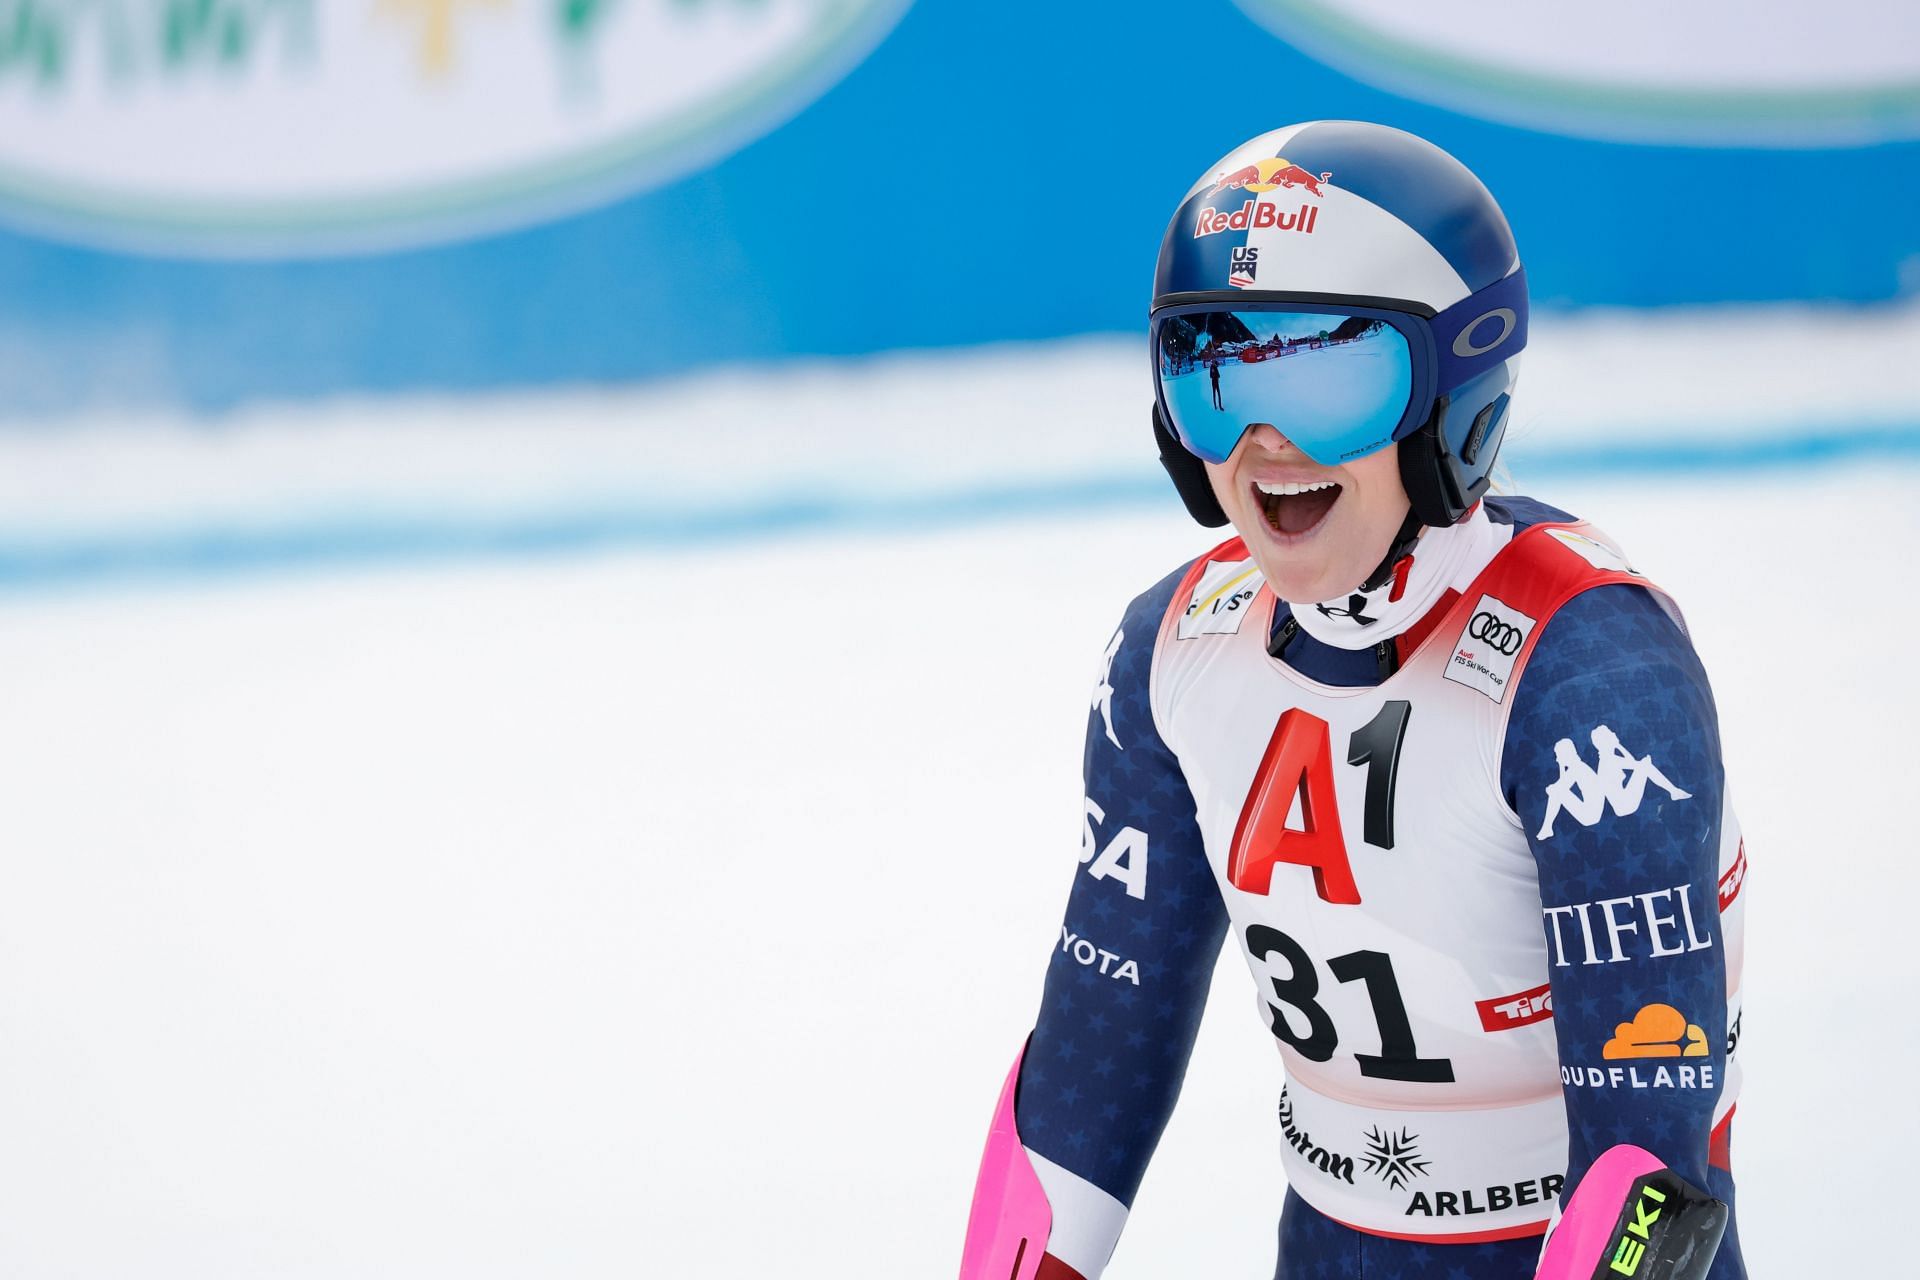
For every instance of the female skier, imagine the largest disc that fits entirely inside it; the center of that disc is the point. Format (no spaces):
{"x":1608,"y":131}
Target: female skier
{"x":1443,"y":767}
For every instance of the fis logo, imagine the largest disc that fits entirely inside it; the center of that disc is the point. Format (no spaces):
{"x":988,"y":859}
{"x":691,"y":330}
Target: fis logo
{"x":1221,"y":599}
{"x":1246,"y":260}
{"x":1617,"y":780}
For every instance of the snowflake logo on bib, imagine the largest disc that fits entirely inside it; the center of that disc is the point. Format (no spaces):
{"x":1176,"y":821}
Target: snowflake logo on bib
{"x":1618,"y":781}
{"x":1395,"y":1157}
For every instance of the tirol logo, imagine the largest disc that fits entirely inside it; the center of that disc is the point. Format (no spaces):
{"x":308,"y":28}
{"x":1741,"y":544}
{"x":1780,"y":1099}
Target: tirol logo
{"x":1246,"y":261}
{"x":1616,"y":780}
{"x":264,"y":127}
{"x":1521,"y":1009}
{"x":1489,"y":645}
{"x":1736,"y":876}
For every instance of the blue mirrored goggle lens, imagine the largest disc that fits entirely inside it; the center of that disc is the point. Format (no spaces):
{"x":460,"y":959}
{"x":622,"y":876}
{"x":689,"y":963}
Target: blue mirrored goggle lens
{"x":1336,"y":386}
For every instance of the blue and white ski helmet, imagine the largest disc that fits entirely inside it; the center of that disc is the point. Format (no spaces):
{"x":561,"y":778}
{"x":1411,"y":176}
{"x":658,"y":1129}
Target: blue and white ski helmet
{"x":1347,"y":218}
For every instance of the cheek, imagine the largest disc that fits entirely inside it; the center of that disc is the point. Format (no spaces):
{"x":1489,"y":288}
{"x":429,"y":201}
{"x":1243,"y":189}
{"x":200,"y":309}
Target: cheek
{"x":1378,"y":480}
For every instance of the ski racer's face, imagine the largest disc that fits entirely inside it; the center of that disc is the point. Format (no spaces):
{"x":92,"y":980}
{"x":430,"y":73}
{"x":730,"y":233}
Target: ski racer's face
{"x":1316,"y":532}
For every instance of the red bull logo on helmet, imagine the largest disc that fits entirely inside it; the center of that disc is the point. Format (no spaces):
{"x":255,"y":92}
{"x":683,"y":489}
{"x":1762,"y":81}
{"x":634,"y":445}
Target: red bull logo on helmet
{"x":1267,"y":175}
{"x":1260,"y":177}
{"x":1212,"y":222}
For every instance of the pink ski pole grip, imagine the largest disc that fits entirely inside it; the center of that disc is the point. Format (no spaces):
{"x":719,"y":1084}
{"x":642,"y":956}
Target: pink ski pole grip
{"x":1007,"y":1230}
{"x":1585,"y":1232}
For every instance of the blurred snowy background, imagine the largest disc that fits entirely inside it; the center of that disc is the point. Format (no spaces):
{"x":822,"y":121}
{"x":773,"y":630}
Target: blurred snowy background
{"x":552,"y":557}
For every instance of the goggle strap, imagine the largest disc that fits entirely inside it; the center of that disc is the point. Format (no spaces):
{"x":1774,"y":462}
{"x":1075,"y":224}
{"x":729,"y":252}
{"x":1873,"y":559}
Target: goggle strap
{"x":1481,"y":329}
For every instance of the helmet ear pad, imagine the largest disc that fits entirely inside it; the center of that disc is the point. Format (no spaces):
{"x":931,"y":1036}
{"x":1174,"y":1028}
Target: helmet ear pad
{"x":1446,"y":466}
{"x":1189,"y":475}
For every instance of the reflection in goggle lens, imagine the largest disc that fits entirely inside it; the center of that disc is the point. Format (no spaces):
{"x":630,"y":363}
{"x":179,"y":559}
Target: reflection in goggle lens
{"x":1337,"y":386}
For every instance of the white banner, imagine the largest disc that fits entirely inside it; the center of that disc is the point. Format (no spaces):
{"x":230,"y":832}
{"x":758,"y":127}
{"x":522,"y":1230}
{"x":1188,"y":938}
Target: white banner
{"x":263,"y":126}
{"x":1710,"y":72}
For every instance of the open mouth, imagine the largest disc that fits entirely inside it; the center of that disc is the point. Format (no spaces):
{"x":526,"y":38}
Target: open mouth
{"x":1294,"y":509}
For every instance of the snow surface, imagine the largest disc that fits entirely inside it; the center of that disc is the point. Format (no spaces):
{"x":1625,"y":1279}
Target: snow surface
{"x":643,"y":914}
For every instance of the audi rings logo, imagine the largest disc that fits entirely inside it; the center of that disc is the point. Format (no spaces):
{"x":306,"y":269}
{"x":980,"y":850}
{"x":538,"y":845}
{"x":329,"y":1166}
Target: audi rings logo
{"x":1504,"y":637}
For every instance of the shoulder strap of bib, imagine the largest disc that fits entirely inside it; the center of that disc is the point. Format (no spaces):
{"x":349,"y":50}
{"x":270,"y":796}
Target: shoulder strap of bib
{"x":1499,"y":617}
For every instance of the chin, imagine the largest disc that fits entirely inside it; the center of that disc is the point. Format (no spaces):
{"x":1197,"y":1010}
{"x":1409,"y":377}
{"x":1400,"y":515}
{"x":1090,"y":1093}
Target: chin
{"x":1307,"y":585}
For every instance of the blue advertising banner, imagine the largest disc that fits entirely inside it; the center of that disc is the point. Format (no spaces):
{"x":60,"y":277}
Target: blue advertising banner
{"x":221,"y":201}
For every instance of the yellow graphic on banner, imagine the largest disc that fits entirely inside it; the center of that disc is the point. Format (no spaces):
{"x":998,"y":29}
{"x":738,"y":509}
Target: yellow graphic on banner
{"x":437,"y":19}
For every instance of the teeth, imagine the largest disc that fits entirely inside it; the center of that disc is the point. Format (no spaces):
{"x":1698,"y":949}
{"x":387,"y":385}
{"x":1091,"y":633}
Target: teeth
{"x":1288,"y":490}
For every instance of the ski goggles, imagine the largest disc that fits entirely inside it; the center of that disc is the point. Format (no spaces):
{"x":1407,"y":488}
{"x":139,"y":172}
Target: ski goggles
{"x":1339,"y":381}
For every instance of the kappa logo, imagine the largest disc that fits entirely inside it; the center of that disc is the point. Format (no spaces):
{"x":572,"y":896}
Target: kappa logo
{"x":1489,"y":645}
{"x":1618,"y":781}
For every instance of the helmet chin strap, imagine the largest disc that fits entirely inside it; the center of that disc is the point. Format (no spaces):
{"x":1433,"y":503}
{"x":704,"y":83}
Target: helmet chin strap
{"x":1400,"y":549}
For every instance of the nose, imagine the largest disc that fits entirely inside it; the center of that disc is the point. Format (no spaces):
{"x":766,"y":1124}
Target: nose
{"x":1266,"y":436}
